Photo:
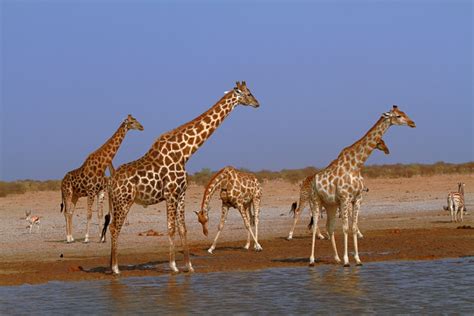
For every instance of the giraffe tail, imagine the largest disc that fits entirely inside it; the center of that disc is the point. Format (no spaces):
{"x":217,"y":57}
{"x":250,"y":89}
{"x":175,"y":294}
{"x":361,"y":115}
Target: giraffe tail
{"x":311,"y":223}
{"x":107,"y":217}
{"x":104,"y":230}
{"x":293,"y":209}
{"x":62,"y":202}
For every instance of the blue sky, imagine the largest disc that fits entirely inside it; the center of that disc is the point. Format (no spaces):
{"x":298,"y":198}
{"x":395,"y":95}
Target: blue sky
{"x":323,"y":72}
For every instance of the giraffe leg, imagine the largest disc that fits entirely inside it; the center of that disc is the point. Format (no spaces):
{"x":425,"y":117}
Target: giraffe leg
{"x":318,"y":231}
{"x":119,"y":213}
{"x":256,"y":207}
{"x":90,"y":202}
{"x":171,"y":205}
{"x":345,"y":206}
{"x":247,"y":244}
{"x":315,"y":212}
{"x":100,"y":209}
{"x":70,"y":202}
{"x":246,"y":219}
{"x":331,"y":226}
{"x":355,"y":228}
{"x":182,"y":232}
{"x":225,"y":209}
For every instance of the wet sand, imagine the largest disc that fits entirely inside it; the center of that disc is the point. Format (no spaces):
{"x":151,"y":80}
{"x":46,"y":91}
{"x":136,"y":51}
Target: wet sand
{"x":401,"y":219}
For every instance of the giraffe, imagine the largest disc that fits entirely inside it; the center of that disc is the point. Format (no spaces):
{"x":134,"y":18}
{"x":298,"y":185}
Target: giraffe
{"x":240,"y":190}
{"x":89,"y":180}
{"x":340,"y":184}
{"x":160,"y":175}
{"x":305,"y":197}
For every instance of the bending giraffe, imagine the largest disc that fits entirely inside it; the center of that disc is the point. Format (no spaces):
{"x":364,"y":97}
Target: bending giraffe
{"x":341,"y":184}
{"x":89,"y":180}
{"x":456,"y":205}
{"x":239,"y":190}
{"x":305,"y":197}
{"x":160,"y":175}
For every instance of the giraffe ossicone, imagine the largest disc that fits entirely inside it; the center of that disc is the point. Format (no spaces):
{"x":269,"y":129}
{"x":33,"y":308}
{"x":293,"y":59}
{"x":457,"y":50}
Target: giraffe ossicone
{"x":160,"y":174}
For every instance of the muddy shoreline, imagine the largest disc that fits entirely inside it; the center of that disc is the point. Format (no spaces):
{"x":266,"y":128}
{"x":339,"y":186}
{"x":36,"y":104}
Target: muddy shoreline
{"x":378,"y":245}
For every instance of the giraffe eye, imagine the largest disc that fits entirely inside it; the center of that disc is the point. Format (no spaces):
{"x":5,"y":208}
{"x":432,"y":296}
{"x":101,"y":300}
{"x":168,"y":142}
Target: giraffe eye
{"x":399,"y":116}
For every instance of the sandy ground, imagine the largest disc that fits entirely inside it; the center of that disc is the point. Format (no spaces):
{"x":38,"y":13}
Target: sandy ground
{"x":402,"y":219}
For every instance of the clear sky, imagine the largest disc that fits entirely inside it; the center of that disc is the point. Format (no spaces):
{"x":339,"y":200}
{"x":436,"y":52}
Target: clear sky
{"x":323,"y":72}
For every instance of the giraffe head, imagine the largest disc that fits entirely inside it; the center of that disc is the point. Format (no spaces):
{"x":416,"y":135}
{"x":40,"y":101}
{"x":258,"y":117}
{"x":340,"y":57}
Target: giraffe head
{"x":461,"y":186}
{"x":203,"y":218}
{"x":244,"y":96}
{"x":382,"y":146}
{"x":398,"y":117}
{"x":132,"y":123}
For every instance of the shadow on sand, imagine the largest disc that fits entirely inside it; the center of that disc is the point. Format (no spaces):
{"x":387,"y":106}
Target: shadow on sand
{"x":295,"y":260}
{"x":152,"y":265}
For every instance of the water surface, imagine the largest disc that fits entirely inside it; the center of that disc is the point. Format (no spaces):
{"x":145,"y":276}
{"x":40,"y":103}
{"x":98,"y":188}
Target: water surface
{"x":441,"y":286}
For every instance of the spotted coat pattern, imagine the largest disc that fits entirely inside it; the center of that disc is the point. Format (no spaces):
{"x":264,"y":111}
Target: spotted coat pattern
{"x":89,"y":180}
{"x":341,"y":184}
{"x":305,"y":196}
{"x":160,"y":175}
{"x":240,"y":190}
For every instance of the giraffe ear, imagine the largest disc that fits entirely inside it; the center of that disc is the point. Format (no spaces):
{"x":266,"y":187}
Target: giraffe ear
{"x":238,"y":92}
{"x":395,"y":107}
{"x":386,"y":114}
{"x":225,"y":92}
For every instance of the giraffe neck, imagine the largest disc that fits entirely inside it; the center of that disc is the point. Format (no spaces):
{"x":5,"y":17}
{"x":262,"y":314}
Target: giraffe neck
{"x":213,"y":185}
{"x":106,"y":153}
{"x":354,"y":157}
{"x":186,"y":139}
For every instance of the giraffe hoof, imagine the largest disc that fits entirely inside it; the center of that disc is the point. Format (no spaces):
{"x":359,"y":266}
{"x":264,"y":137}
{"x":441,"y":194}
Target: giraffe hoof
{"x":189,"y":270}
{"x":359,"y":264}
{"x":311,"y":264}
{"x":210,"y":250}
{"x":115,"y":271}
{"x":258,"y":248}
{"x":346,"y":265}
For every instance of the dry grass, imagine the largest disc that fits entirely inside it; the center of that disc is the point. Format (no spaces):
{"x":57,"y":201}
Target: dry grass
{"x":22,"y":186}
{"x":373,"y":171}
{"x":292,"y":175}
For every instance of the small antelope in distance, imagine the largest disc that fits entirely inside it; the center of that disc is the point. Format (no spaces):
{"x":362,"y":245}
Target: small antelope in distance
{"x":32,"y":220}
{"x":456,"y":205}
